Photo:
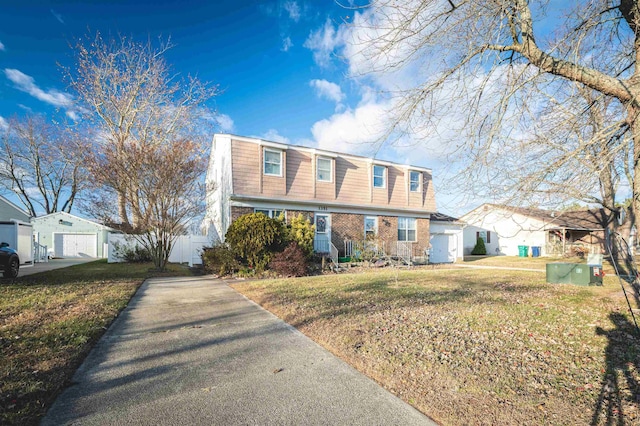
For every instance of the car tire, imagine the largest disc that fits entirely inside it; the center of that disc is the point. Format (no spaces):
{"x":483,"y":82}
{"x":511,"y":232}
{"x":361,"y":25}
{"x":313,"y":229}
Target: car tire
{"x":12,"y":268}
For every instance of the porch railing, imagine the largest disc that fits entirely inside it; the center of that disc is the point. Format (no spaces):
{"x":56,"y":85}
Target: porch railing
{"x":40,"y":253}
{"x":404,"y":250}
{"x":334,"y":254}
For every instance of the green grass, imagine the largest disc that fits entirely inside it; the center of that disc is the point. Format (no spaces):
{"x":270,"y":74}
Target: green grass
{"x":475,"y":346}
{"x":49,"y":322}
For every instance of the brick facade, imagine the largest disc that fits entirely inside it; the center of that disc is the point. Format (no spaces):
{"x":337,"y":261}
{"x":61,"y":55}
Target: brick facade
{"x":346,"y":226}
{"x":236,"y":212}
{"x":349,"y":226}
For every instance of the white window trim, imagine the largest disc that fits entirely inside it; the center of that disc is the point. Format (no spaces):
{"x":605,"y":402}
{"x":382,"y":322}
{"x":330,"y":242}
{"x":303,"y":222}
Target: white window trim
{"x":407,"y":229}
{"x":384,"y":176}
{"x":264,"y":162}
{"x":375,"y":227}
{"x":419,"y":180}
{"x":271,"y":212}
{"x":330,"y":169}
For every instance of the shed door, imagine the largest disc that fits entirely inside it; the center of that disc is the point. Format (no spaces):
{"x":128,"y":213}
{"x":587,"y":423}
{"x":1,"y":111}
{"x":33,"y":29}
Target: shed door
{"x":443,"y":248}
{"x":75,"y":245}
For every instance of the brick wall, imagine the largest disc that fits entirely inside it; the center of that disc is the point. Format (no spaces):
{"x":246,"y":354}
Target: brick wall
{"x":346,"y":226}
{"x":293,"y":213}
{"x":388,"y":232}
{"x":236,"y":212}
{"x":422,"y":237}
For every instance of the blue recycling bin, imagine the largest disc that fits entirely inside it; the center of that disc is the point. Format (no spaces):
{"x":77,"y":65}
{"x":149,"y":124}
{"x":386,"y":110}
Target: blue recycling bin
{"x":535,"y":251}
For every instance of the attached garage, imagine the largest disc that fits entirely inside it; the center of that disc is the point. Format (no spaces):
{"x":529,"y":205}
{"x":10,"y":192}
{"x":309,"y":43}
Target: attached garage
{"x":445,"y":239}
{"x":75,"y":245}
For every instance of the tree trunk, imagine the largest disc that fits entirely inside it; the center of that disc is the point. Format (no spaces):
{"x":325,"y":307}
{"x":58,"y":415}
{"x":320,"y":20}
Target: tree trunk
{"x":122,"y":209}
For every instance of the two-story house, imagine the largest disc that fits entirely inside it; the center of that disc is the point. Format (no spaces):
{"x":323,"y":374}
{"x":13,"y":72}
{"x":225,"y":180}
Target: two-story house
{"x":347,"y":197}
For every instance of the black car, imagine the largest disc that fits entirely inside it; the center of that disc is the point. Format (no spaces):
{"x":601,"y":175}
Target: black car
{"x":9,"y":261}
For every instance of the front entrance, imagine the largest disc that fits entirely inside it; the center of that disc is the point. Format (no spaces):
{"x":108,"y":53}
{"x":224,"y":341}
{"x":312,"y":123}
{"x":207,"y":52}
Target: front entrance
{"x":322,"y":240}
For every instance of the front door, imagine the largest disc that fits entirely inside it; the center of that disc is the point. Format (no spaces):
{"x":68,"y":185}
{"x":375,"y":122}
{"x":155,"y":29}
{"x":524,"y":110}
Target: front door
{"x":323,"y":233}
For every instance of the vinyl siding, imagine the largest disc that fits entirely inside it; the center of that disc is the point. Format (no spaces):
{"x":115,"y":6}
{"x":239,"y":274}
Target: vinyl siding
{"x":351,"y":181}
{"x":246,"y":166}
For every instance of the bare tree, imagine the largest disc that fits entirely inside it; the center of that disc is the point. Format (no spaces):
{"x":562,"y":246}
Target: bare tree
{"x":134,"y":103}
{"x":487,"y":63}
{"x":170,"y":193}
{"x":43,"y":164}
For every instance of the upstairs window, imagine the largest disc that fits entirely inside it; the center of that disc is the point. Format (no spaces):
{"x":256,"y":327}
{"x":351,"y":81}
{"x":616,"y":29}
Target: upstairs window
{"x":323,"y":169}
{"x":379,"y":176}
{"x":406,"y":229}
{"x":272,"y":162}
{"x":414,"y":181}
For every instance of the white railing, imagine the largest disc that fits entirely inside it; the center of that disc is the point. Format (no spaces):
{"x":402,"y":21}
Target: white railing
{"x":40,"y":253}
{"x":404,"y":250}
{"x":348,"y":248}
{"x":334,"y":254}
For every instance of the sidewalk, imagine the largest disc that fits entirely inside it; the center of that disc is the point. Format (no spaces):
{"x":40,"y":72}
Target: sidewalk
{"x":193,"y":351}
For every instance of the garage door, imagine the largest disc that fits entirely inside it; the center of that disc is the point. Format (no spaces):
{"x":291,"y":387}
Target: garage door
{"x":443,"y":248}
{"x":75,"y":245}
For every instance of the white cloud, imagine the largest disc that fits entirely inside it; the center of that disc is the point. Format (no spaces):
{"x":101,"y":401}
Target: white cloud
{"x":27,"y":84}
{"x":286,"y":44}
{"x":225,"y":122}
{"x":324,"y":43}
{"x":293,"y":9}
{"x":3,"y":123}
{"x":273,"y":136}
{"x":58,"y":16}
{"x":2,"y":48}
{"x":328,"y":90}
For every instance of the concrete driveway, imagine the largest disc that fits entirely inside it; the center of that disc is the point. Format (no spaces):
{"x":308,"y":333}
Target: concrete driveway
{"x":51,"y":265}
{"x":194,"y":351}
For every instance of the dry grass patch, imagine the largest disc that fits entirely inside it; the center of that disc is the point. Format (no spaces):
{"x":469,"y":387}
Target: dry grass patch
{"x":48,"y":324}
{"x":475,"y":346}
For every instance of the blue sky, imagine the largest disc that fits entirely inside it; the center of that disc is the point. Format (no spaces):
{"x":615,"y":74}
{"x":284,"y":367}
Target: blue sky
{"x":286,"y":69}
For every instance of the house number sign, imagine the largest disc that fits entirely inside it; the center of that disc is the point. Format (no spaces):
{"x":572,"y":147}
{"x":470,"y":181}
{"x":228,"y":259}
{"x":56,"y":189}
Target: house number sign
{"x":322,"y":208}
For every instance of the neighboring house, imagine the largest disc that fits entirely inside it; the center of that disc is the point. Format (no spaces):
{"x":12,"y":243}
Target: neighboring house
{"x":348,"y":198}
{"x":15,"y":230}
{"x":505,"y":228}
{"x":446,"y":239}
{"x":9,"y":211}
{"x":67,"y":235}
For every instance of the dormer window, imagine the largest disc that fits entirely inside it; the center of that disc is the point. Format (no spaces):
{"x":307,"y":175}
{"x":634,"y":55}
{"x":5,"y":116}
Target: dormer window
{"x":414,"y":181}
{"x":323,"y":169}
{"x":272,"y":162}
{"x":379,"y":176}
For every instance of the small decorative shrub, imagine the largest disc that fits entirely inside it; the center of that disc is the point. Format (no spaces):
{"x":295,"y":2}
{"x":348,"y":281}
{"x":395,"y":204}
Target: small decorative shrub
{"x":255,"y":237}
{"x":292,"y":262}
{"x":220,"y":260}
{"x":480,"y":248}
{"x":302,"y":232}
{"x":132,"y":254}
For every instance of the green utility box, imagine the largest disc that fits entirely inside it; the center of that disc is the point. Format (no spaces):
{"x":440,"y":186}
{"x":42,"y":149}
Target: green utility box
{"x":574,"y":273}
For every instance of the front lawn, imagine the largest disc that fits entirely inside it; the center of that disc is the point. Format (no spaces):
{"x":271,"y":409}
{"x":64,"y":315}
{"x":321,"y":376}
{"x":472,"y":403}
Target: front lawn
{"x":475,"y":346}
{"x":48,"y":324}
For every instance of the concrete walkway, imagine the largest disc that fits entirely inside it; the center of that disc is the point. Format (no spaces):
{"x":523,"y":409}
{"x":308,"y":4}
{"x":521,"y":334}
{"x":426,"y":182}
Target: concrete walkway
{"x":194,"y":351}
{"x":51,"y":265}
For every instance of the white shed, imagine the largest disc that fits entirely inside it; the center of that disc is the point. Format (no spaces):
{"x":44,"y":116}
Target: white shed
{"x":446,"y":239}
{"x":15,"y":230}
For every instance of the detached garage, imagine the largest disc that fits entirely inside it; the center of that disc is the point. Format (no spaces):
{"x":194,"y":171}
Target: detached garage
{"x":66,"y":235}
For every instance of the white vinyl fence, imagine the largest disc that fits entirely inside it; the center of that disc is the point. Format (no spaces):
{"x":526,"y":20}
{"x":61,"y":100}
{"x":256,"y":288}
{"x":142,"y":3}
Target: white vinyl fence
{"x":186,"y":248}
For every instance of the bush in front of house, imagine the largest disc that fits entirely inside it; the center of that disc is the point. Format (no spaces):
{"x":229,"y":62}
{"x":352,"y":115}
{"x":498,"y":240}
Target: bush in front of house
{"x":292,"y":262}
{"x":302,"y":232}
{"x":480,"y":248}
{"x":220,"y":260}
{"x":255,"y":237}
